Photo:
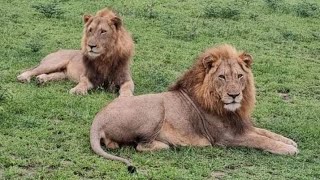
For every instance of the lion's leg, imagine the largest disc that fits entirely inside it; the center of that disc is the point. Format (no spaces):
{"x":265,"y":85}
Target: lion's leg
{"x":152,"y":146}
{"x":255,"y":140}
{"x":110,"y":144}
{"x":42,"y":78}
{"x":275,"y":136}
{"x":82,"y":87}
{"x":48,"y":65}
{"x":126,"y":89}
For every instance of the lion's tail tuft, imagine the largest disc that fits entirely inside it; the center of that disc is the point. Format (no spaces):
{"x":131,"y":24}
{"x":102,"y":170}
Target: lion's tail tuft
{"x":132,"y":169}
{"x":96,"y":147}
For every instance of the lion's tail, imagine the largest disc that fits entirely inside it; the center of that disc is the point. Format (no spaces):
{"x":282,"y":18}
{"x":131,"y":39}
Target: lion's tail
{"x":95,"y":138}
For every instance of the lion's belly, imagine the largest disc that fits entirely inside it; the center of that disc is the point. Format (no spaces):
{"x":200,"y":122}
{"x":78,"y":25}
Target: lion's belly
{"x":181,"y":136}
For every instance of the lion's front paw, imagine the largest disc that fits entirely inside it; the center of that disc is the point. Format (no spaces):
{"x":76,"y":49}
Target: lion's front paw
{"x":24,"y":77}
{"x":78,"y":91}
{"x":286,"y":150}
{"x":129,"y":94}
{"x":41,"y":79}
{"x":291,"y":142}
{"x":292,"y":150}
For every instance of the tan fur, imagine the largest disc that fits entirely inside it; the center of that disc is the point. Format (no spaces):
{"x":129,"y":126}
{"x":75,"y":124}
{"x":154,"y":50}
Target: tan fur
{"x":104,"y":59}
{"x":210,"y":104}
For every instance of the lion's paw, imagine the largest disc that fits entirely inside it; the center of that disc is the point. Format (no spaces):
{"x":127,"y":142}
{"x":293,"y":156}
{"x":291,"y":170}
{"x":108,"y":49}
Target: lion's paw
{"x":78,"y":91}
{"x":291,"y":142}
{"x":286,"y":150}
{"x":24,"y":77}
{"x":42,"y":78}
{"x":292,"y":150}
{"x":125,"y":94}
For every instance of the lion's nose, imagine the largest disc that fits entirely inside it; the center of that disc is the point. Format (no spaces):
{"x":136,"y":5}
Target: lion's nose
{"x":233,"y":95}
{"x":92,"y":46}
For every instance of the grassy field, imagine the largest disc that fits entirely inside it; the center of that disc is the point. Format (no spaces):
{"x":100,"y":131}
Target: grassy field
{"x":44,"y":131}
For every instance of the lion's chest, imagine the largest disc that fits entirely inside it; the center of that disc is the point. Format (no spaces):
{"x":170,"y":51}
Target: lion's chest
{"x":101,"y":75}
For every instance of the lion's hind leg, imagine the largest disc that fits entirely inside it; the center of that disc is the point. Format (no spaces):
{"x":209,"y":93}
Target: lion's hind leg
{"x":152,"y":146}
{"x":43,"y":78}
{"x":275,"y":136}
{"x":54,"y":62}
{"x":110,"y":144}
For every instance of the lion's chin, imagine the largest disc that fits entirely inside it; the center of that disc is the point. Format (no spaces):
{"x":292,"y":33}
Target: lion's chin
{"x":93,"y":55}
{"x":232,"y":106}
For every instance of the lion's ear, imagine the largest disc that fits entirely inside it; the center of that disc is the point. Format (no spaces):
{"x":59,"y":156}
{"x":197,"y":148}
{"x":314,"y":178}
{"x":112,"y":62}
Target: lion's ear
{"x":86,"y":18}
{"x":117,"y":22}
{"x":207,"y":62}
{"x":247,"y":59}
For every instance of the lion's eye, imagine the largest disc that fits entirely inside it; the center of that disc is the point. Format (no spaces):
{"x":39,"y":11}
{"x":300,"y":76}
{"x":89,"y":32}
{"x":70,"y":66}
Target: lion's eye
{"x":240,"y":76}
{"x":90,"y":30}
{"x":222,"y":77}
{"x":103,"y":31}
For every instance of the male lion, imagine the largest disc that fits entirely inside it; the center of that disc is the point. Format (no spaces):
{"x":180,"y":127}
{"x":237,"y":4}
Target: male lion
{"x":103,"y":60}
{"x":210,"y":104}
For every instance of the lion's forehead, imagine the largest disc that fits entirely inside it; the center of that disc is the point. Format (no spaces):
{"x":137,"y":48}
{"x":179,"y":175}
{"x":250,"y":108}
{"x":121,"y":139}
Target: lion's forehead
{"x":98,"y":23}
{"x":230,"y":67}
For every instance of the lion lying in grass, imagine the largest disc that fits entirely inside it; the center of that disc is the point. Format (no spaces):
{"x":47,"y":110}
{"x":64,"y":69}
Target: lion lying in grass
{"x":103,"y":61}
{"x":210,"y":104}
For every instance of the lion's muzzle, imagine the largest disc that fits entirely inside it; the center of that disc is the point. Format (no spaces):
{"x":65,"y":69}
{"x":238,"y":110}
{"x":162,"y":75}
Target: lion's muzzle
{"x":232,"y":101}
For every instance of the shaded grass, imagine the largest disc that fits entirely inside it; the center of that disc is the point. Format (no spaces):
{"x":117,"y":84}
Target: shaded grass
{"x":44,"y":130}
{"x":307,"y":9}
{"x":227,"y":11}
{"x":49,"y":10}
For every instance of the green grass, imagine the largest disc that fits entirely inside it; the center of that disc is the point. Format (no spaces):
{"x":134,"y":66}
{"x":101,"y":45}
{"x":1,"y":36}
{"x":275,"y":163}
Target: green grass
{"x":44,"y":130}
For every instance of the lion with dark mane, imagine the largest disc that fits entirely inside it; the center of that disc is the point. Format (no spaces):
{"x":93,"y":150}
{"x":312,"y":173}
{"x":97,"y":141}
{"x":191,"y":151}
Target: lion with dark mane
{"x":103,"y":60}
{"x":211,"y":104}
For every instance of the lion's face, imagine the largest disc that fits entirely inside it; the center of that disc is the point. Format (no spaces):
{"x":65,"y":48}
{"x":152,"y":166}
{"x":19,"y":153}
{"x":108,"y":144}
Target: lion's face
{"x":100,"y":34}
{"x":230,"y":81}
{"x":228,"y":78}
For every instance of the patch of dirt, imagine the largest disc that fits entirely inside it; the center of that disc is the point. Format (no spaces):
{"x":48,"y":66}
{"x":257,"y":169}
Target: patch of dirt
{"x":217,"y":175}
{"x":285,"y":97}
